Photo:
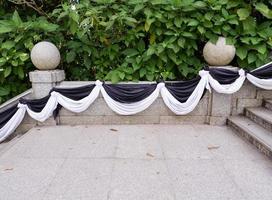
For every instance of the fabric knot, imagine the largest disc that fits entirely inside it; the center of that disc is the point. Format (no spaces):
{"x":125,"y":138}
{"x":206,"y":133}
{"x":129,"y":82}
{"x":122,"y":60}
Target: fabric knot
{"x":203,"y":73}
{"x":53,"y":94}
{"x":20,"y":105}
{"x":241,"y":72}
{"x":160,"y":85}
{"x":98,"y":83}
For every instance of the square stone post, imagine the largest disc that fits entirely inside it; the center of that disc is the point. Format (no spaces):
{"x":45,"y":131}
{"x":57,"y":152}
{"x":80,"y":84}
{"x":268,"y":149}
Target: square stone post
{"x":220,"y":108}
{"x":44,"y":81}
{"x":220,"y":104}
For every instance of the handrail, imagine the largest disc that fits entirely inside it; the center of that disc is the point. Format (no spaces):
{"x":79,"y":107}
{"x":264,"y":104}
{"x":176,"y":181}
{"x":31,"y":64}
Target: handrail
{"x":15,"y":99}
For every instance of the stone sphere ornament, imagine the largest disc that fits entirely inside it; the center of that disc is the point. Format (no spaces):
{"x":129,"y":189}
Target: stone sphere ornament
{"x":218,"y":54}
{"x":45,"y":56}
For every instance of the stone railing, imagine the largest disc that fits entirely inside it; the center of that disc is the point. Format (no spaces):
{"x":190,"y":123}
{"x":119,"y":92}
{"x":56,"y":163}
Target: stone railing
{"x":213,"y":108}
{"x":26,"y":125}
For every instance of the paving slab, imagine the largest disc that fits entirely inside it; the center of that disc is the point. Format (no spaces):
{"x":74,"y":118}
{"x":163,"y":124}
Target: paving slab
{"x":133,"y":162}
{"x":140,"y":179}
{"x":135,"y":143}
{"x":202,"y":179}
{"x":255,"y":179}
{"x":81,"y":179}
{"x":23,"y":178}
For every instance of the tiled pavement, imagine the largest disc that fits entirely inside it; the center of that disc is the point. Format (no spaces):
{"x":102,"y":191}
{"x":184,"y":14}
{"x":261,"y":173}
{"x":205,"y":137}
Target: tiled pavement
{"x":133,"y":162}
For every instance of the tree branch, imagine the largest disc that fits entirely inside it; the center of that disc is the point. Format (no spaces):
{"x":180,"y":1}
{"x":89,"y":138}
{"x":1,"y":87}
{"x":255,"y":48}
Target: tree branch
{"x":31,"y":4}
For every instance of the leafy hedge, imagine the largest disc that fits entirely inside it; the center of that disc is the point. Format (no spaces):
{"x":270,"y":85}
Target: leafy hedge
{"x":16,"y":40}
{"x":131,"y":40}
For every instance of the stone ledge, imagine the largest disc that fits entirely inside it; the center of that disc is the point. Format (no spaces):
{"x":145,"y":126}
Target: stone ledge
{"x":183,"y":119}
{"x":217,"y":121}
{"x":27,"y":94}
{"x":114,"y":119}
{"x":134,"y":119}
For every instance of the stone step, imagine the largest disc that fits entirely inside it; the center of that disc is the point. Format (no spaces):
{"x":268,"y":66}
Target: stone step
{"x":252,"y":132}
{"x":268,"y":104}
{"x":261,"y":116}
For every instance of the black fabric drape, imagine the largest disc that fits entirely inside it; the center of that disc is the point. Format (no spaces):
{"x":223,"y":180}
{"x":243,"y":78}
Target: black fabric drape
{"x":35,"y":105}
{"x":129,"y":93}
{"x":7,"y":114}
{"x":76,"y":93}
{"x":263,"y":73}
{"x":183,"y":90}
{"x":224,"y":76}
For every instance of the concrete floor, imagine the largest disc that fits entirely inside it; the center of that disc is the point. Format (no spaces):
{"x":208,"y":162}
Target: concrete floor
{"x":130,"y":162}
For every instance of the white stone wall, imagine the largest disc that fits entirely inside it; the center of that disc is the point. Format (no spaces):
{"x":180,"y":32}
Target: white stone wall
{"x":157,"y":113}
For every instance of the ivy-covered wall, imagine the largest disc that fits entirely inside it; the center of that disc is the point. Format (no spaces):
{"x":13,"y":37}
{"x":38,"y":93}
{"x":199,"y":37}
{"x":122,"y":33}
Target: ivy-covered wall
{"x":129,"y":40}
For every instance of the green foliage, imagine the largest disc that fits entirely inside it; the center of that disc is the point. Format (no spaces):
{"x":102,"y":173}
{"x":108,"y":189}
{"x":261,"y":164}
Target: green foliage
{"x":159,"y":39}
{"x":16,"y":40}
{"x":132,"y":40}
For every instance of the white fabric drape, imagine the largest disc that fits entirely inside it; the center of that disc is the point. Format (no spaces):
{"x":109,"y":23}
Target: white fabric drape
{"x":80,"y":105}
{"x":57,"y":98}
{"x":228,"y":88}
{"x":184,"y":108}
{"x":131,"y":108}
{"x":46,"y":112}
{"x":12,"y":124}
{"x":206,"y":81}
{"x":261,"y":83}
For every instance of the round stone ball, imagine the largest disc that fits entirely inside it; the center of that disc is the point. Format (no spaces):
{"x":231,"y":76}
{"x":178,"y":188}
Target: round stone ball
{"x":218,"y":54}
{"x":45,"y":56}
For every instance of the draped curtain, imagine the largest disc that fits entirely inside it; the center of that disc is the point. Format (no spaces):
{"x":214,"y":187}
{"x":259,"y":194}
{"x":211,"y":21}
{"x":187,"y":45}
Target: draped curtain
{"x":181,"y":97}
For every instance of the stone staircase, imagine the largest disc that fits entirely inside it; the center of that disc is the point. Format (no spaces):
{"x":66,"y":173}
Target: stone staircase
{"x":255,"y":126}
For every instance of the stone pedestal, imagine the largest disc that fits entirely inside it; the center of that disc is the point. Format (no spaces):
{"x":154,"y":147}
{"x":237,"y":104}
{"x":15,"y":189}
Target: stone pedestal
{"x":221,"y":104}
{"x":220,"y":109}
{"x":228,"y":67}
{"x":44,"y":81}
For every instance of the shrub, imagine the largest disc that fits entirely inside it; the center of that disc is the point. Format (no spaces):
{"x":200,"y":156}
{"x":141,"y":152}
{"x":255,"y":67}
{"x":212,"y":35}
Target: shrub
{"x":16,"y":40}
{"x":131,"y":40}
{"x":154,"y":39}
